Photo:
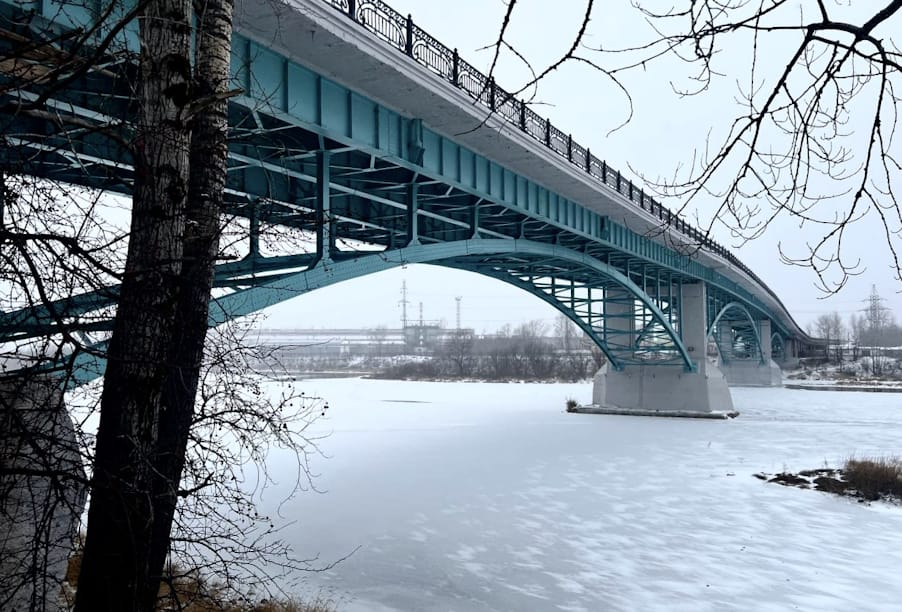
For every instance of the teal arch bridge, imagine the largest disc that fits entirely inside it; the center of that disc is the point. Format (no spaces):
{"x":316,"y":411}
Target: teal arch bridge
{"x":359,"y":143}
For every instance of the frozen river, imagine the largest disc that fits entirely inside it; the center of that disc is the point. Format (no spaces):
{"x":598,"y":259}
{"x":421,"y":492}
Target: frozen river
{"x":476,"y":496}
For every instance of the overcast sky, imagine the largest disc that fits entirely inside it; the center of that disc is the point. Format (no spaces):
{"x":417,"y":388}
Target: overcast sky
{"x":662,"y":134}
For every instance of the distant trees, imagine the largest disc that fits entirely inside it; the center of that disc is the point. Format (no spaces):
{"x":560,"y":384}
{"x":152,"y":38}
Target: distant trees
{"x":525,"y":352}
{"x":869,"y":332}
{"x":831,"y":328}
{"x":458,"y":351}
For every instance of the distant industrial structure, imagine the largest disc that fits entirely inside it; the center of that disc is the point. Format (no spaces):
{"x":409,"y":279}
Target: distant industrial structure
{"x":378,"y":341}
{"x":294,"y":347}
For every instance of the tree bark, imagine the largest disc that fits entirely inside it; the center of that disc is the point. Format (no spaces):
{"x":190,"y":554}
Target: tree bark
{"x":116,"y":562}
{"x":209,"y":155}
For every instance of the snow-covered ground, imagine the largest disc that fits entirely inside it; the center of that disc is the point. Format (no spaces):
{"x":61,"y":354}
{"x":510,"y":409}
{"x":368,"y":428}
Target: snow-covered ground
{"x":490,"y":497}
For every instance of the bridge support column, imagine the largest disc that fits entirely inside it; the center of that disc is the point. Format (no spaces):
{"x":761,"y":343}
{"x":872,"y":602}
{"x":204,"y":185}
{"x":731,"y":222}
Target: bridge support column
{"x":755,"y":372}
{"x":42,"y":492}
{"x":666,"y":390}
{"x":790,"y":354}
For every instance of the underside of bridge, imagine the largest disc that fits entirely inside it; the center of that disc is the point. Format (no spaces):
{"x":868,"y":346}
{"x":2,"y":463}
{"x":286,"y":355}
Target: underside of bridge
{"x":326,"y":185}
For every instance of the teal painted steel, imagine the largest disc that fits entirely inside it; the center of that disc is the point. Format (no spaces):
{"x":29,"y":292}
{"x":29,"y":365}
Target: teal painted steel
{"x":453,"y":254}
{"x":251,"y":300}
{"x":750,"y":326}
{"x":777,"y":347}
{"x":310,"y":155}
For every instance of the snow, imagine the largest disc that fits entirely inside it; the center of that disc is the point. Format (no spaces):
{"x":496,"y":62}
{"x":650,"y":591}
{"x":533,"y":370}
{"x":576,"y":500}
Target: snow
{"x":481,"y":496}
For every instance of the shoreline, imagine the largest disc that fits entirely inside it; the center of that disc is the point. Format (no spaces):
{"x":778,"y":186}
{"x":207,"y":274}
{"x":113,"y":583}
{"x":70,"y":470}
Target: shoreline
{"x":845,"y":388}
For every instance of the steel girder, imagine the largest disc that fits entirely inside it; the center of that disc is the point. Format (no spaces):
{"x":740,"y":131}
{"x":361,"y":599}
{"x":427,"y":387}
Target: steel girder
{"x":736,"y":333}
{"x":576,"y":284}
{"x":380,"y":193}
{"x":635,"y":332}
{"x":777,"y":347}
{"x":520,"y":262}
{"x":312,"y":156}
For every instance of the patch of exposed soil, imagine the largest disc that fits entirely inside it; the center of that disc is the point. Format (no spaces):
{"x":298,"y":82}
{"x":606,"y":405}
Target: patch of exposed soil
{"x":823,"y":479}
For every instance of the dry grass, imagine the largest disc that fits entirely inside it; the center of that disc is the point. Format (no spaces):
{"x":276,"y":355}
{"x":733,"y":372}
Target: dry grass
{"x":571,"y":404}
{"x":192,"y":592}
{"x":875,"y":478}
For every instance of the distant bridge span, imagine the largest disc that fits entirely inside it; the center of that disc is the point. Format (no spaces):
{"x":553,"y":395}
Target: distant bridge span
{"x":374,"y":146}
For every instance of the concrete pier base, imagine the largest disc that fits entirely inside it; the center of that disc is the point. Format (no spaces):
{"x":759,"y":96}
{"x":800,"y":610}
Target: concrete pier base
{"x":42,"y":493}
{"x":752,"y":373}
{"x":661,"y":391}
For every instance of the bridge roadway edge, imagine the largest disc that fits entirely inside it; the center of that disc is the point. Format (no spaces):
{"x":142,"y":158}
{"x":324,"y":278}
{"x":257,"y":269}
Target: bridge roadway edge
{"x":317,"y":35}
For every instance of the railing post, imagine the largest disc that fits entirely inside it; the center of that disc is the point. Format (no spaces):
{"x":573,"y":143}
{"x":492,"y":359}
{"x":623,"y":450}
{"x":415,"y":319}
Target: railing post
{"x":618,"y":181}
{"x":604,"y":172}
{"x":352,"y":9}
{"x":570,"y":148}
{"x":408,"y":44}
{"x":588,"y":160}
{"x":523,"y":115}
{"x":455,"y":69}
{"x":547,"y":132}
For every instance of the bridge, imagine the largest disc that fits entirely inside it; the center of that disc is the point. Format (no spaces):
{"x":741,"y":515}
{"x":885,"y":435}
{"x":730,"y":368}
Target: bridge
{"x":360,"y":143}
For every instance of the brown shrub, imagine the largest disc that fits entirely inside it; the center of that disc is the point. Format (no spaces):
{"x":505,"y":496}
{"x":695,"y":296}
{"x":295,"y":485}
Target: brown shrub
{"x":874,"y":478}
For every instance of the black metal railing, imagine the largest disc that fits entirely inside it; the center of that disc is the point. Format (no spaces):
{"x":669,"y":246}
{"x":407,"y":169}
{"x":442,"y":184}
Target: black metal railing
{"x":401,"y":33}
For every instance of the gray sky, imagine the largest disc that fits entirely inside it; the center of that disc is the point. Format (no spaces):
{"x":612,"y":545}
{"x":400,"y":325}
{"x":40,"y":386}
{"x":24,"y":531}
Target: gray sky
{"x":663,"y":133}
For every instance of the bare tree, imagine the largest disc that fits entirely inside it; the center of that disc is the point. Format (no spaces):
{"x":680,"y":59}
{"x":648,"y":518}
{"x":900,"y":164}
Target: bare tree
{"x":63,"y":259}
{"x":830,"y":327}
{"x":857,"y":331}
{"x":157,"y":344}
{"x":575,"y":357}
{"x":812,"y":133}
{"x":458,"y":349}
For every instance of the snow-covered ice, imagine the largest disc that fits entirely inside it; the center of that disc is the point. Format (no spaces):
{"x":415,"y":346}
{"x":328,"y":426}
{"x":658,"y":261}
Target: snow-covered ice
{"x":477,"y":496}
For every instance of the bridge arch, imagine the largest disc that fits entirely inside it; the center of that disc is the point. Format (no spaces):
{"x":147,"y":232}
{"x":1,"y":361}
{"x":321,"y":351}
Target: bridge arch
{"x":497,"y":258}
{"x":744,"y":339}
{"x":777,"y":347}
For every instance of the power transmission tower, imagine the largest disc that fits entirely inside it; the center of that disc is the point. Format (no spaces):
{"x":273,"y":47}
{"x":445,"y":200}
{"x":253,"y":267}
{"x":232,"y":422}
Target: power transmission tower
{"x":875,"y":312}
{"x":404,"y":302}
{"x":457,"y":299}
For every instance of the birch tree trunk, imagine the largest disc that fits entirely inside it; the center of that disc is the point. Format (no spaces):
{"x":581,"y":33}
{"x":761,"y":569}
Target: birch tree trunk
{"x":209,"y":153}
{"x":116,"y":562}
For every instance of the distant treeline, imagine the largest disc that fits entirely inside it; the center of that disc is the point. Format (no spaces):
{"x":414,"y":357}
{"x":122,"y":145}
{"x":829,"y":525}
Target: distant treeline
{"x":521,"y":353}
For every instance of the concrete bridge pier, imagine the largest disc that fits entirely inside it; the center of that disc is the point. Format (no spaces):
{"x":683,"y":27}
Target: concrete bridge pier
{"x":651,"y":390}
{"x":755,"y":372}
{"x":42,"y":492}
